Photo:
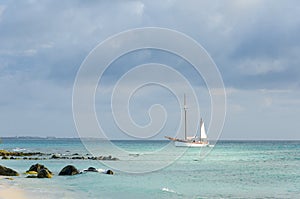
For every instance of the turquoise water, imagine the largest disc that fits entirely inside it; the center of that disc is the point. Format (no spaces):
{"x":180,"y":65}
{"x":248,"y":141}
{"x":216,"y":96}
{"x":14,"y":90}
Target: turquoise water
{"x":232,"y":169}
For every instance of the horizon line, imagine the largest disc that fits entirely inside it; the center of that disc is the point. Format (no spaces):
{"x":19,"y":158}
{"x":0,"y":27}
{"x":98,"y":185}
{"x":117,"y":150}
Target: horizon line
{"x":54,"y":137}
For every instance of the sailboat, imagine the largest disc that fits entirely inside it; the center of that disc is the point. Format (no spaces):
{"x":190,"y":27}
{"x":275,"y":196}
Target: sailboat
{"x":201,"y":141}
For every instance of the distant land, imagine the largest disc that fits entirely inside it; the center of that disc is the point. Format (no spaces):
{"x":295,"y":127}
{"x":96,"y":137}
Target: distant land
{"x":27,"y":137}
{"x":44,"y":137}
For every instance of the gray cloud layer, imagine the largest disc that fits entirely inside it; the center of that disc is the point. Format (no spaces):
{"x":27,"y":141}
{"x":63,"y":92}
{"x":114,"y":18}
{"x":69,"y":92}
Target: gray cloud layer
{"x":255,"y":44}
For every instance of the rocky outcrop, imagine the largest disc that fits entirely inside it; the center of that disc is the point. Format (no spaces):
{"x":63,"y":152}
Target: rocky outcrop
{"x":103,"y":158}
{"x":4,"y":171}
{"x":68,"y":170}
{"x":8,"y":153}
{"x":44,"y":173}
{"x":37,"y":168}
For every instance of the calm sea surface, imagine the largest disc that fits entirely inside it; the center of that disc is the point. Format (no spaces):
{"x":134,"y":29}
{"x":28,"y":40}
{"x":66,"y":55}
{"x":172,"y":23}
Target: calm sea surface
{"x":232,"y":169}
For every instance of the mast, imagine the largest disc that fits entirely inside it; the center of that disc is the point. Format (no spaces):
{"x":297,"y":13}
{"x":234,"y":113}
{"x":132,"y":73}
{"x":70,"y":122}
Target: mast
{"x":185,"y":126}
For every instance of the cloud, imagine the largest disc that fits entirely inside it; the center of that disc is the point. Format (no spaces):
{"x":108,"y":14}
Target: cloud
{"x":2,"y":9}
{"x":138,"y":8}
{"x":244,"y":38}
{"x":255,"y":45}
{"x":260,"y":66}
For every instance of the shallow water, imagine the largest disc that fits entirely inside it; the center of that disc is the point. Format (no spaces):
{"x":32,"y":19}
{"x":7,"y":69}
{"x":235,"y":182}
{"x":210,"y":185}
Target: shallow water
{"x":233,"y":169}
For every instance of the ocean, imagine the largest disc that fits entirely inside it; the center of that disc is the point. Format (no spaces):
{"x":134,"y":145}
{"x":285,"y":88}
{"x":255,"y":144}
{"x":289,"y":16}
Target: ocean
{"x":231,"y":169}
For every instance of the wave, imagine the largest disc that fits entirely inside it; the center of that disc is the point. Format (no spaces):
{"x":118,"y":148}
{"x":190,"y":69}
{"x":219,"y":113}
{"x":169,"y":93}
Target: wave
{"x":168,"y":190}
{"x":19,"y":149}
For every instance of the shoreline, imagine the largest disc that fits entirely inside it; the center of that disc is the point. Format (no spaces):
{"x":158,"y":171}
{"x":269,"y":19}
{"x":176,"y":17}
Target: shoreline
{"x":9,"y":192}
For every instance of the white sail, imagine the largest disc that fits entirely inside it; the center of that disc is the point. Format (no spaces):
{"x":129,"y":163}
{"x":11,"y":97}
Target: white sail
{"x":202,"y":131}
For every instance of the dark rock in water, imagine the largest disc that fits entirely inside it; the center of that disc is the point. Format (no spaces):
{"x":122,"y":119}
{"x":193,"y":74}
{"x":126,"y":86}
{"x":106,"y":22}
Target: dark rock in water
{"x":109,"y":172}
{"x":55,"y":156}
{"x":91,"y":169}
{"x":105,"y":158}
{"x":44,"y":173}
{"x":4,"y":171}
{"x":36,"y":158}
{"x":78,"y":158}
{"x":37,"y":168}
{"x":75,"y":154}
{"x":68,"y":170}
{"x":12,"y":158}
{"x":5,"y":158}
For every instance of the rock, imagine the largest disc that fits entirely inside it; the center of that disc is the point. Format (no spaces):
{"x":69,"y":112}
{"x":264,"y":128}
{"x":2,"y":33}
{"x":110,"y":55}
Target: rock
{"x":91,"y":169}
{"x":68,"y":170}
{"x":44,"y":173}
{"x":36,"y":158}
{"x":37,"y":168}
{"x":5,"y":158}
{"x":55,"y":156}
{"x":4,"y":171}
{"x":31,"y":172}
{"x":105,"y":158}
{"x":78,"y":158}
{"x":109,"y":172}
{"x":99,"y":158}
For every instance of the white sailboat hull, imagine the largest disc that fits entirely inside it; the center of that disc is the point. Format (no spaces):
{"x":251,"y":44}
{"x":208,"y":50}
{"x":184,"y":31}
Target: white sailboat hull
{"x":190,"y":144}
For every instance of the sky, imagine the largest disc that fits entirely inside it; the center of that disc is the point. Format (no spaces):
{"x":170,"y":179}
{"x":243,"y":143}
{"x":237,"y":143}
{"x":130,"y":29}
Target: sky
{"x":255,"y":45}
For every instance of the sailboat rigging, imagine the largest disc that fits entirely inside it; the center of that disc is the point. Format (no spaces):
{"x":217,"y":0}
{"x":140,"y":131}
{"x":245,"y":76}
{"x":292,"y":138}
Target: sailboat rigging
{"x":195,"y":141}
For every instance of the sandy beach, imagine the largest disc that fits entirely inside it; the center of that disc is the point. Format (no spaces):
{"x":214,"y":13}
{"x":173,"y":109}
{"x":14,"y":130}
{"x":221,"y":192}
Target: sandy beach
{"x":7,"y":192}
